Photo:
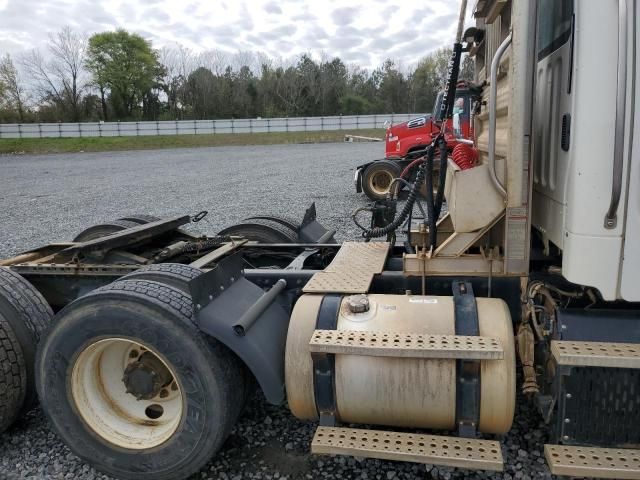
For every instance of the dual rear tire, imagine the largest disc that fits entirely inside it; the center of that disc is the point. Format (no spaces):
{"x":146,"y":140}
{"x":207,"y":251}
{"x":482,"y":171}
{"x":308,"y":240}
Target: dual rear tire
{"x":133,"y":387}
{"x":24,"y":316}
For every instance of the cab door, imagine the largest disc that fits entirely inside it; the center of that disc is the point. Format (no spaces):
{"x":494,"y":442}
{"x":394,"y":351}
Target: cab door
{"x":552,"y":117}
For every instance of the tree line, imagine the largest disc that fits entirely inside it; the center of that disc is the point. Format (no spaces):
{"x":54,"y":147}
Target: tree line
{"x":120,"y":76}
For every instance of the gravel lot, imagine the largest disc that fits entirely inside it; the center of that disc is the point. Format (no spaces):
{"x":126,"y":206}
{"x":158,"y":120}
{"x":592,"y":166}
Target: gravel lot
{"x":50,"y":198}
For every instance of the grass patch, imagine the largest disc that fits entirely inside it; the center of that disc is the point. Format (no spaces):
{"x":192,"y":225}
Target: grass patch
{"x":107,"y":144}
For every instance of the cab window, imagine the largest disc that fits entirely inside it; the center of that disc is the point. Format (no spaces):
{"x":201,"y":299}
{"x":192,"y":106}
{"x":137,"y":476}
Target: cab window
{"x":554,"y":25}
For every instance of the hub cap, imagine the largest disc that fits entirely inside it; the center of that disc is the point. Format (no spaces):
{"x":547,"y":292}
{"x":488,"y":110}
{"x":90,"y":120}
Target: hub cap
{"x":126,"y":393}
{"x":380,"y":182}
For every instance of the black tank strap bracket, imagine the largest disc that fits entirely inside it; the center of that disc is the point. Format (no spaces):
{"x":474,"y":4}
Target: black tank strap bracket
{"x":324,"y":385}
{"x":467,"y":371}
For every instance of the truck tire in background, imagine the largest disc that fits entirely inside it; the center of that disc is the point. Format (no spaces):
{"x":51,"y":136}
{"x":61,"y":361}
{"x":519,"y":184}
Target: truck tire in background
{"x":377,"y":178}
{"x":176,"y":275}
{"x":262,"y":230}
{"x":24,"y":315}
{"x":13,"y":376}
{"x":167,"y":396}
{"x":140,"y":218}
{"x":104,"y":229}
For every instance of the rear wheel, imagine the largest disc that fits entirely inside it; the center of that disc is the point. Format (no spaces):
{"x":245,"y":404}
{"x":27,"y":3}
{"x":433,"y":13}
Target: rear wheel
{"x":133,"y":387}
{"x":377,"y":178}
{"x":140,"y":218}
{"x":262,"y":230}
{"x":13,"y":376}
{"x":175,"y":275}
{"x":104,"y":229}
{"x":24,"y":315}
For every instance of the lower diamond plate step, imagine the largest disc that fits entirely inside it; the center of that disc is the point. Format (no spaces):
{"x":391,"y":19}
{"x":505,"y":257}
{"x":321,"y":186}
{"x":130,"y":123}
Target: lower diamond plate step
{"x":593,"y":462}
{"x":405,"y":345}
{"x":408,"y":447}
{"x":596,"y":354}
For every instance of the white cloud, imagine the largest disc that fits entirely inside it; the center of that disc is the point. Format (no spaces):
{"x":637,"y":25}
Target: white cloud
{"x":367,"y":31}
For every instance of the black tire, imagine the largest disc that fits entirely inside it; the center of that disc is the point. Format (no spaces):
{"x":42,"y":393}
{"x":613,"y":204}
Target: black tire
{"x":261,"y":230}
{"x":288,"y":222}
{"x":175,"y":275}
{"x":27,"y":315}
{"x":104,"y":229}
{"x":160,"y":317}
{"x":141,"y":218}
{"x":377,"y":178}
{"x":13,"y":376}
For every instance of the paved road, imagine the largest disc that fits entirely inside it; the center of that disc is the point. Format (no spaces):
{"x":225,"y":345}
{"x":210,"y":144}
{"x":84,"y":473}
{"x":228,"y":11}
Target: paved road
{"x":49,"y":198}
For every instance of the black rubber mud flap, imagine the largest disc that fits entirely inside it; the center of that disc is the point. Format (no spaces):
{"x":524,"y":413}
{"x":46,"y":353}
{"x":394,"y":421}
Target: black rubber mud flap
{"x":311,"y":230}
{"x":221,"y":297}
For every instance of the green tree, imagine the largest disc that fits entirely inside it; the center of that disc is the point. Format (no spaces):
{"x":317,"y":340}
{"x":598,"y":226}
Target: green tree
{"x":13,"y":98}
{"x":125,"y":66}
{"x":200,"y":94}
{"x":393,"y":88}
{"x":428,"y":79}
{"x":351,"y":104}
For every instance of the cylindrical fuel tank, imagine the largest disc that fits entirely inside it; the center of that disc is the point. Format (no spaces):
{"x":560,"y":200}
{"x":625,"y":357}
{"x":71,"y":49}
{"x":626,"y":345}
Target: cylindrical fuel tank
{"x":403,"y":392}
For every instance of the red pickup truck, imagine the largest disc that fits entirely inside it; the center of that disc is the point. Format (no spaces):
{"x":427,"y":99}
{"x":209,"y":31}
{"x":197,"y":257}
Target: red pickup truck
{"x":404,"y":141}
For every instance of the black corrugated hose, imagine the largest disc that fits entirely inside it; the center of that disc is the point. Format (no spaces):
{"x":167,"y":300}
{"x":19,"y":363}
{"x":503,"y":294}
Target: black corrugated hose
{"x":434,"y":206}
{"x":408,"y":206}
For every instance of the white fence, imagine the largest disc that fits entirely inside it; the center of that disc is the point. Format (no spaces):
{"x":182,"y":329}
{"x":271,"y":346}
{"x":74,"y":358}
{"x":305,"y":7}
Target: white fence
{"x":197,"y":127}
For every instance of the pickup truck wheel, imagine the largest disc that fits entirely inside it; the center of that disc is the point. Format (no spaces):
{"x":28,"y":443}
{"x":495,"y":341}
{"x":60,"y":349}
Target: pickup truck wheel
{"x":133,"y":387}
{"x":377,"y":178}
{"x":24,"y":316}
{"x":104,"y":229}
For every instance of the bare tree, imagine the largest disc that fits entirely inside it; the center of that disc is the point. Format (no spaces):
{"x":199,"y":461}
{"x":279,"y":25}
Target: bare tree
{"x":13,"y":89}
{"x":175,"y":61}
{"x":68,"y":50}
{"x":60,"y":78}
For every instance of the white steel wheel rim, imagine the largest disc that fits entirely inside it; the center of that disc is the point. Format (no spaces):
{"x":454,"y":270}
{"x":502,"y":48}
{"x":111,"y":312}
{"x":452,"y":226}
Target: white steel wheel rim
{"x":381,"y":181}
{"x":100,"y":396}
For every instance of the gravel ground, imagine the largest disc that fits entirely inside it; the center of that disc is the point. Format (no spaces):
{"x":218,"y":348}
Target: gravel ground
{"x":50,"y":198}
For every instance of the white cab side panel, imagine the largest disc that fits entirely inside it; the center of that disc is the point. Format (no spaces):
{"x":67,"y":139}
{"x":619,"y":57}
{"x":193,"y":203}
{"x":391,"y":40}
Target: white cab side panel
{"x":630,"y":275}
{"x":550,"y":160}
{"x":592,"y":253}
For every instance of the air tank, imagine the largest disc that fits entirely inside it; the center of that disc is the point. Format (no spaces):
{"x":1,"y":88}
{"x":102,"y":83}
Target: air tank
{"x":402,"y":392}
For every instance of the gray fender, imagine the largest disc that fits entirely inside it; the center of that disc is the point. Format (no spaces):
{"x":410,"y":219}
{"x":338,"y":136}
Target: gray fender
{"x":221,"y":296}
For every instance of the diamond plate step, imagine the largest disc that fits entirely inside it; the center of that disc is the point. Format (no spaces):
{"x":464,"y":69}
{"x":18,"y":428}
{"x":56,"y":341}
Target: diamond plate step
{"x":593,"y":462}
{"x":405,"y":345}
{"x":596,"y":354}
{"x":351,"y":270}
{"x":367,"y":256}
{"x":408,"y":447}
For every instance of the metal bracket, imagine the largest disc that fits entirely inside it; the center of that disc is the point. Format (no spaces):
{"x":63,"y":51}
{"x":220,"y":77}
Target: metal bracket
{"x":467,"y":371}
{"x":324,"y":388}
{"x":225,"y":302}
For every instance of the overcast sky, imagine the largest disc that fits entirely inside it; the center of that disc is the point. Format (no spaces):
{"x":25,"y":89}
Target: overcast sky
{"x":364,"y":32}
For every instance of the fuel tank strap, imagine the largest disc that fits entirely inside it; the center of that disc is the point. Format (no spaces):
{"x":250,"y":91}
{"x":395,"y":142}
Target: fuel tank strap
{"x":467,"y":371}
{"x":324,"y":388}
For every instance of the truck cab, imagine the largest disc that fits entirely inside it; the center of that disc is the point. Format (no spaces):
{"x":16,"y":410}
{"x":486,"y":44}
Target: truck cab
{"x":404,"y":138}
{"x":406,"y":141}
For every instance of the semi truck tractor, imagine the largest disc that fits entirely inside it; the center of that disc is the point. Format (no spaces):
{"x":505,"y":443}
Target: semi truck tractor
{"x":143,"y":341}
